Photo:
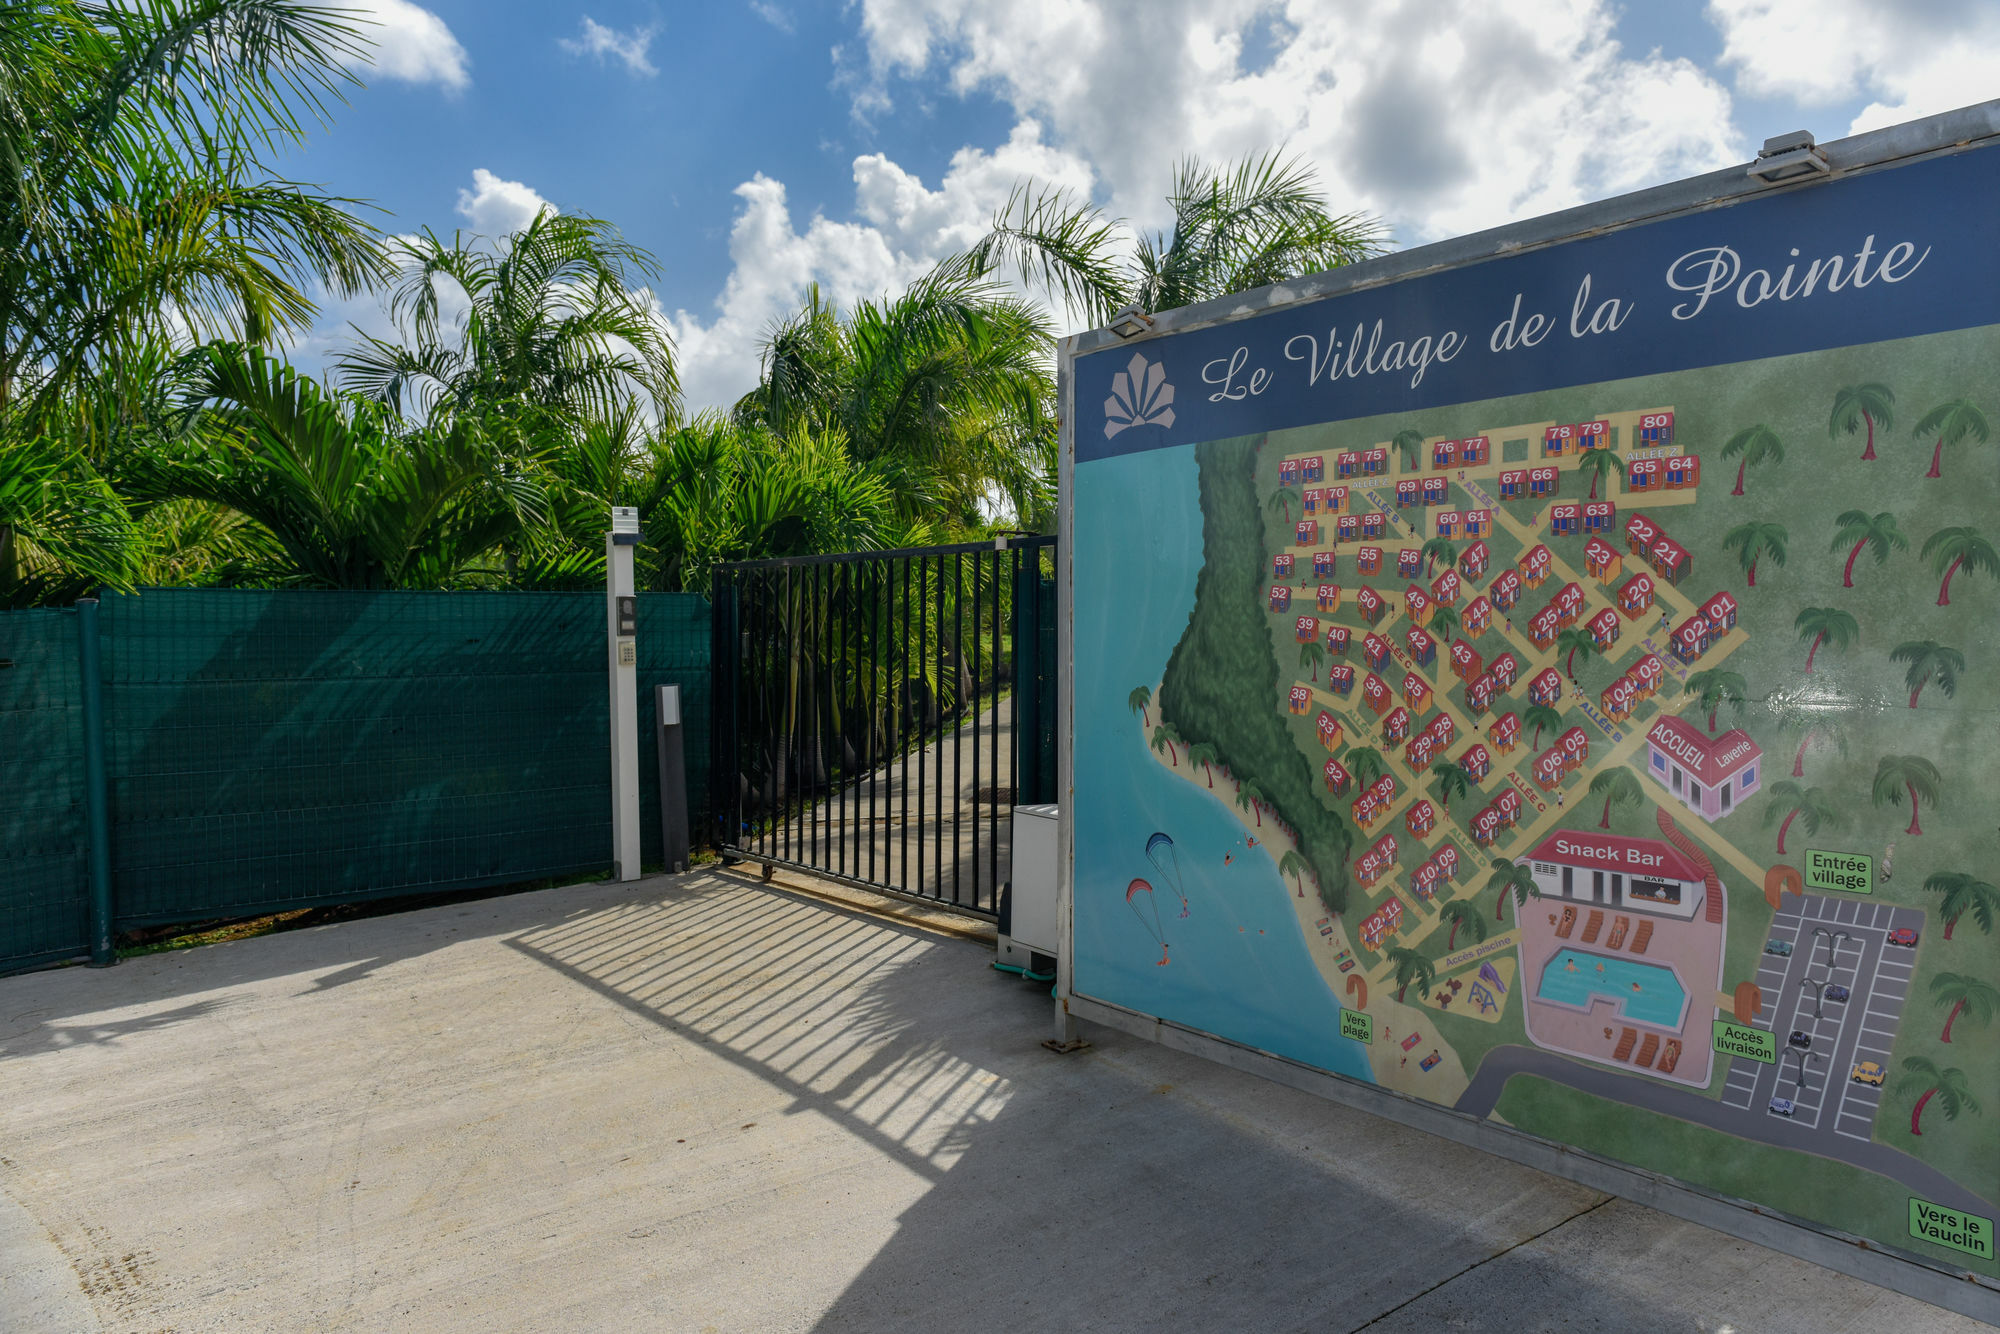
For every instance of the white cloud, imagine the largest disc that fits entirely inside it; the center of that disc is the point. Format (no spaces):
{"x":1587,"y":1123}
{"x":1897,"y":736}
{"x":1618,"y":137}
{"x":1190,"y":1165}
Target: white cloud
{"x":410,"y":43}
{"x":496,"y":207}
{"x":1914,"y":59}
{"x":602,"y":43}
{"x":1443,"y":116}
{"x":774,"y":15}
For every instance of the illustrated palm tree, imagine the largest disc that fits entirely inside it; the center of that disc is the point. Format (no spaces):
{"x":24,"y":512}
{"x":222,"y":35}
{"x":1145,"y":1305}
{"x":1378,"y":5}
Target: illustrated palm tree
{"x":1809,"y":804}
{"x":1599,"y":464}
{"x":1897,"y":776}
{"x":1513,"y":880}
{"x":1878,"y":532}
{"x":1312,"y":654}
{"x":1861,"y":406}
{"x":1291,"y":864}
{"x":1164,"y":738}
{"x":1280,"y":502}
{"x":1805,"y":713}
{"x":1571,"y":642}
{"x":1540,"y":716}
{"x":1137,"y":701}
{"x":1203,"y":754}
{"x":1451,"y":781}
{"x":1976,"y":1000}
{"x":1714,"y":688}
{"x":1927,"y":662}
{"x":1926,"y":1080}
{"x":1366,"y":764}
{"x":1445,"y":621}
{"x":1253,"y":796}
{"x":1260,"y":221}
{"x":1953,"y":423}
{"x":1438,"y":549}
{"x":1826,"y":626}
{"x":1411,"y":442}
{"x":1412,"y":969}
{"x":1753,"y":447}
{"x":1962,"y":894}
{"x":1951,"y":549}
{"x":1462,"y":913}
{"x":1753,"y":542}
{"x":1618,"y":787}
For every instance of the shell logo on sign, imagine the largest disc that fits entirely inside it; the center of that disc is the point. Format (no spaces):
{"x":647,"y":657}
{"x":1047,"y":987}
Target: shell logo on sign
{"x":1140,"y":396}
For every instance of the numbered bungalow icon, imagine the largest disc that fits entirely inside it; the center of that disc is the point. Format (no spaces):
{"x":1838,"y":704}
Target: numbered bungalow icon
{"x":1336,"y":775}
{"x":1335,"y":499}
{"x":1448,"y":522}
{"x":1505,"y":590}
{"x":1508,"y":802}
{"x":1485,"y":827}
{"x":1546,"y":688}
{"x":1374,"y":524}
{"x":1374,"y":462}
{"x":1370,"y":604}
{"x":1475,"y":452}
{"x":1445,"y":589}
{"x":1643,"y":475}
{"x":1323,"y":564}
{"x":1368,"y":560}
{"x":1337,"y":635}
{"x":1549,"y":769}
{"x":1375,"y":651}
{"x":1375,"y":693}
{"x":1505,"y":733}
{"x":1328,"y":729}
{"x":1300,"y":700}
{"x":1437,"y":490}
{"x":1575,"y":746}
{"x":1563,"y":519}
{"x":1616,"y":700}
{"x":1683,"y":471}
{"x":1558,"y":441}
{"x":1635,"y":598}
{"x":1544,"y":482}
{"x":1504,"y":669}
{"x":1479,"y":695}
{"x":1408,"y":493}
{"x":1477,"y":617}
{"x":1347,"y":464}
{"x":1281,"y":597}
{"x":1421,"y":818}
{"x":1720,"y":612}
{"x":1601,"y":560}
{"x":1534,"y":565}
{"x":1604,"y":628}
{"x":1691,"y":639}
{"x":1328,"y":597}
{"x":1417,"y":754}
{"x":1288,"y":472}
{"x":1446,"y":861}
{"x":1306,"y":629}
{"x":1655,"y":430}
{"x":1441,"y":729}
{"x":1543,"y":627}
{"x":1472,"y":561}
{"x":1379,"y":925}
{"x":1640,"y":534}
{"x":1477,"y":762}
{"x":1647,"y":674}
{"x":1593,"y":434}
{"x":1310,"y":502}
{"x":1306,"y":531}
{"x":1670,"y":560}
{"x":1444,"y":454}
{"x":1513,"y":484}
{"x":1340,"y":679}
{"x":1599,"y":516}
{"x":1346,"y":528}
{"x":1424,"y":881}
{"x":1466,"y":664}
{"x":1416,"y":692}
{"x":1281,"y":565}
{"x":1569,"y":603}
{"x":1409,"y":560}
{"x":1396,"y":725}
{"x":1417,"y":605}
{"x":1422,"y":646}
{"x":1312,"y":468}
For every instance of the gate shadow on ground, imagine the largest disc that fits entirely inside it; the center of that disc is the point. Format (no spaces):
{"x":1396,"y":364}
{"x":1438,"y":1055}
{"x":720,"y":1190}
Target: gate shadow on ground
{"x":1132,"y":1187}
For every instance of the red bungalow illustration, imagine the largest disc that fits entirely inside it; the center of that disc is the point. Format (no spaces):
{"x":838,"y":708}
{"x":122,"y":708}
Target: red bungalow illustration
{"x":1448,"y":522}
{"x":1417,"y":605}
{"x":1616,"y":699}
{"x":1543,"y":627}
{"x":1374,"y":462}
{"x":1436,"y":490}
{"x":1709,"y":775}
{"x":1683,"y":471}
{"x":1445,"y":589}
{"x":1504,"y":669}
{"x":1479,"y":694}
{"x":1441,"y":729}
{"x":1417,"y":754}
{"x":1505,"y":590}
{"x":1368,"y":560}
{"x":1546,"y":688}
{"x":1346,"y":528}
{"x":1474,"y":451}
{"x":1328,"y":729}
{"x":1423,"y":647}
{"x":1409,"y":560}
{"x":1563,"y":518}
{"x":1288,"y":473}
{"x":1485,"y":826}
{"x":1647,"y":673}
{"x":1656,"y":430}
{"x":1534,"y":565}
{"x":1544,"y":482}
{"x":1592,"y":435}
{"x":1370,"y":604}
{"x":1281,"y":597}
{"x":1479,"y":523}
{"x":1336,"y":500}
{"x":1604,"y":628}
{"x":1376,"y":693}
{"x":1575,"y":746}
{"x":1416,"y":692}
{"x":1444,"y":453}
{"x":1558,"y":441}
{"x":1336,"y":639}
{"x":1472,"y":561}
{"x":1424,"y":880}
{"x":1306,"y":629}
{"x":1477,"y":616}
{"x":1549,"y":769}
{"x":1374,"y":523}
{"x":1323,"y":564}
{"x":1640,"y":534}
{"x":1642,"y":874}
{"x":1407,"y":493}
{"x":1599,"y":515}
{"x":1337,"y":777}
{"x":1375,"y":651}
{"x":1281,"y":565}
{"x":1301,"y":700}
{"x":1645,"y":475}
{"x":1476,"y":762}
{"x":1505,"y":733}
{"x":1339,"y":679}
{"x":1396,"y":726}
{"x":1309,"y":503}
{"x":1446,"y":861}
{"x":1569,"y":603}
{"x":1601,"y":560}
{"x":1720,"y":612}
{"x":1381,"y":924}
{"x":1466,"y":664}
{"x":1307,"y":532}
{"x":1513,"y":484}
{"x":1671,"y":560}
{"x":1691,"y":639}
{"x":1329,"y":597}
{"x":1314,"y":469}
{"x":1635,"y":599}
{"x":1508,"y":803}
{"x":1346,"y":464}
{"x":1421,"y":818}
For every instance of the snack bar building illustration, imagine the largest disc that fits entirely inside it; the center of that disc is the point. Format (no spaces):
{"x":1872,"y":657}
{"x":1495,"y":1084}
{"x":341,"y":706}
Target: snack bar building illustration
{"x":1584,"y":866}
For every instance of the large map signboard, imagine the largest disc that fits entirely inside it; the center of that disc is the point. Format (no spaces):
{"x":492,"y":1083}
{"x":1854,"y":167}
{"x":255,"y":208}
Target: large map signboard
{"x":1563,"y":688}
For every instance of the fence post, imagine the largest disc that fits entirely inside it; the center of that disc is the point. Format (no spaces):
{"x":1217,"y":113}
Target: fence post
{"x":96,"y":804}
{"x":725,"y":668}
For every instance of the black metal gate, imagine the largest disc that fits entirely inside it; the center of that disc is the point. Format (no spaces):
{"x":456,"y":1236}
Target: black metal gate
{"x":878,"y":715}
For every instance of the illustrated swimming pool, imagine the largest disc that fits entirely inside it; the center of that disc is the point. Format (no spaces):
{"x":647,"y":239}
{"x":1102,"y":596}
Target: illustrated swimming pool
{"x":1645,"y":993}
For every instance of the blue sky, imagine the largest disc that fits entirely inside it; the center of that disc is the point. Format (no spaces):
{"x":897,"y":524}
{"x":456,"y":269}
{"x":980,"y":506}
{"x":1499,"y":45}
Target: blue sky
{"x":755,"y":147}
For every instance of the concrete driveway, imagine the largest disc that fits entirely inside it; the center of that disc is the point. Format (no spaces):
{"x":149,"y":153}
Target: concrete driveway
{"x":704,"y":1103}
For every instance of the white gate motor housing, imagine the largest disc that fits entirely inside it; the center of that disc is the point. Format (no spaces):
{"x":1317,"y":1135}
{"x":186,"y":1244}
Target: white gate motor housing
{"x":1028,"y":912}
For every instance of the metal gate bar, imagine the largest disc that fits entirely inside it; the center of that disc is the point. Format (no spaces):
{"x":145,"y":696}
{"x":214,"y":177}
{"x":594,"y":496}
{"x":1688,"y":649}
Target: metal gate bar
{"x":869,"y":714}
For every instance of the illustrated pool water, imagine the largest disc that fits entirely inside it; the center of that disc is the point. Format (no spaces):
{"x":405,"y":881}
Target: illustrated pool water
{"x":1645,"y":993}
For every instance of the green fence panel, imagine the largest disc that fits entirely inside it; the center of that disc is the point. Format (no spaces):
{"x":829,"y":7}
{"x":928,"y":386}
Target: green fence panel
{"x":44,"y":875}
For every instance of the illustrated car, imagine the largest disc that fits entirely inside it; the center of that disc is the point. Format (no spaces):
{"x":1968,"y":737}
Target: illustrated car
{"x":1903,"y":935}
{"x":1869,"y":1072}
{"x":1782,"y":1107}
{"x":1800,"y":1039}
{"x":1782,"y":948}
{"x":1835,"y":992}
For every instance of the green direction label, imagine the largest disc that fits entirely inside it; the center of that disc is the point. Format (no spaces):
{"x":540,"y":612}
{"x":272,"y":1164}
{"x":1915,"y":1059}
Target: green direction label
{"x":1742,"y":1040}
{"x":1849,"y":872}
{"x":1948,"y":1227}
{"x":1356,"y":1025}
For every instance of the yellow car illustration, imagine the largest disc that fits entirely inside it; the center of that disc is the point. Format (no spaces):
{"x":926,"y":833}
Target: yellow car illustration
{"x":1869,"y":1072}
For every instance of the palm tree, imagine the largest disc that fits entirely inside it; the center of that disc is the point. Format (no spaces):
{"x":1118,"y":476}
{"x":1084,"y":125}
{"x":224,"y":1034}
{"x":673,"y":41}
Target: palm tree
{"x":63,"y":530}
{"x":1752,"y":541}
{"x":1796,"y":802}
{"x":1539,"y":716}
{"x":1411,"y":967}
{"x":1969,"y":996}
{"x":1754,"y":446}
{"x":1259,"y":222}
{"x":1947,"y":1085}
{"x":1254,"y":796}
{"x":1366,"y":764}
{"x":1451,"y":781}
{"x":1822,"y":625}
{"x":1949,"y":549}
{"x":1896,"y":775}
{"x":1164,"y":738}
{"x":1617,"y":786}
{"x":1280,"y":502}
{"x":1877,"y":532}
{"x":1312,"y":654}
{"x":1572,"y":642}
{"x":1808,"y":715}
{"x":1444,"y":621}
{"x":1861,"y":405}
{"x":1462,"y":913}
{"x":1291,"y":864}
{"x":1599,"y":464}
{"x":1964,"y":894}
{"x":1952,"y":423}
{"x":1410,"y":441}
{"x":1137,"y":701}
{"x":1438,"y":548}
{"x":1928,"y":663}
{"x":1511,"y":878}
{"x":1204,"y":754}
{"x":1714,"y":688}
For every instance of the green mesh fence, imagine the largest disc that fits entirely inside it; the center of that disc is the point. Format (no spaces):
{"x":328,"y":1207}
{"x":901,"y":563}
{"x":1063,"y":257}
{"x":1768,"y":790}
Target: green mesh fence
{"x":44,"y":878}
{"x":278,"y":749}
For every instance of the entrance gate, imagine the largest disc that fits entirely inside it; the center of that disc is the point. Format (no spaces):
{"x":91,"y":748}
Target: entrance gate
{"x":878,"y":715}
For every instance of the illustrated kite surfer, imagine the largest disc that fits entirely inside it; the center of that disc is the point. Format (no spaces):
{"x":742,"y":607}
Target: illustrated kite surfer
{"x":1139,"y":898}
{"x":1160,"y":852}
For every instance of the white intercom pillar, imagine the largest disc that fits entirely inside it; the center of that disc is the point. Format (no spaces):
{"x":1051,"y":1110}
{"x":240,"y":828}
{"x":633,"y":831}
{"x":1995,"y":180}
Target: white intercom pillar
{"x":622,"y":614}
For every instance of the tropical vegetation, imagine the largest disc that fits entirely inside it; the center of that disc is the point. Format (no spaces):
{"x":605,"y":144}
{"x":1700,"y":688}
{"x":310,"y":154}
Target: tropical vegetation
{"x":1877,"y":532}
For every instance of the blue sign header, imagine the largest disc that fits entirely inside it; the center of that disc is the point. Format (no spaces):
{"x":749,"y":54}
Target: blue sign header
{"x":1888,"y":254}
